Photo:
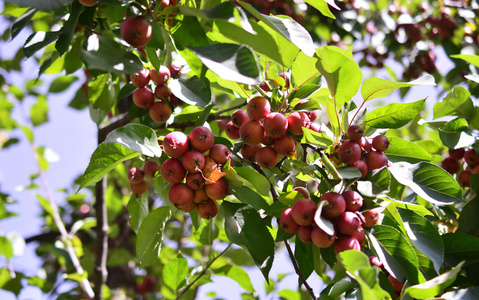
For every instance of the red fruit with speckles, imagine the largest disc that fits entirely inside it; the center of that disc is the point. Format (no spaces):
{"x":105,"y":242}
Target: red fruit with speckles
{"x":470,"y":157}
{"x":175,"y":70}
{"x":296,"y":122}
{"x":193,"y":161}
{"x":380,"y":143}
{"x":232,"y":131}
{"x":140,"y":78}
{"x":316,"y":127}
{"x":285,"y":145}
{"x":465,"y":178}
{"x":139,"y":188}
{"x":451,"y":165}
{"x":220,"y":153}
{"x":143,"y":97}
{"x":202,"y":138}
{"x":172,"y":171}
{"x":136,"y":175}
{"x":365,"y":144}
{"x":457,"y":153}
{"x":239,"y":117}
{"x":207,"y":209}
{"x":275,"y":125}
{"x":287,"y":223}
{"x":376,"y":160}
{"x":355,"y":132}
{"x":321,"y":238}
{"x":371,"y":217}
{"x":251,"y":132}
{"x":218,"y":190}
{"x":200,"y":196}
{"x":195,"y":181}
{"x":348,"y":223}
{"x":136,"y":31}
{"x":346,"y":243}
{"x":258,"y":108}
{"x":160,"y":112}
{"x":303,"y":212}
{"x":349,"y":152}
{"x":266,"y":157}
{"x":249,"y":152}
{"x":304,"y":234}
{"x":180,"y":195}
{"x":362,"y":166}
{"x":354,"y":200}
{"x":150,"y":168}
{"x":162,"y":92}
{"x":175,"y":144}
{"x":161,"y":76}
{"x":335,"y":207}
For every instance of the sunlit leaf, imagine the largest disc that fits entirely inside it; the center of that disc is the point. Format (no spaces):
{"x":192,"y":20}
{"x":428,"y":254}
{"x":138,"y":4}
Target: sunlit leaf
{"x":136,"y":137}
{"x":380,"y":88}
{"x":174,"y":273}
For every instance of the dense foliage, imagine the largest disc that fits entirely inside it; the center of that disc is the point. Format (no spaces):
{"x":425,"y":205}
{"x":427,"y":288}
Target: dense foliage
{"x":229,"y":131}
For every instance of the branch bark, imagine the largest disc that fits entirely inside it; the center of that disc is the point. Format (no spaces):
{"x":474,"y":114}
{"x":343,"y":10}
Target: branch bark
{"x":298,"y":271}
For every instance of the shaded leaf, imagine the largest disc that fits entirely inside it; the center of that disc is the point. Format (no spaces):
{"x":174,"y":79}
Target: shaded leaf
{"x":45,"y":5}
{"x":150,"y":236}
{"x":379,"y":88}
{"x":393,"y":115}
{"x":137,"y":210}
{"x":104,"y":159}
{"x":245,"y":227}
{"x":22,"y":21}
{"x":457,"y":103}
{"x":259,"y":182}
{"x":460,"y":246}
{"x":61,"y":83}
{"x":429,"y":181}
{"x":38,"y":40}
{"x":376,"y":183}
{"x":455,"y":134}
{"x":471,"y":293}
{"x":207,"y":232}
{"x":136,"y":137}
{"x":403,"y":150}
{"x":192,"y":90}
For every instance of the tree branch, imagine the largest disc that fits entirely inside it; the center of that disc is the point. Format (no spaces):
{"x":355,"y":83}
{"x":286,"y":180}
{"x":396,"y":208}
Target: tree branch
{"x":203,"y":272}
{"x":298,"y":271}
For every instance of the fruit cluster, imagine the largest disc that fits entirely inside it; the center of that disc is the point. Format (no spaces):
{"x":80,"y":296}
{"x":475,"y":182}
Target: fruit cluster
{"x":258,"y":125}
{"x":195,"y":176}
{"x":360,"y":152}
{"x":137,"y":176}
{"x":453,"y":164}
{"x":144,"y":97}
{"x":341,"y":209}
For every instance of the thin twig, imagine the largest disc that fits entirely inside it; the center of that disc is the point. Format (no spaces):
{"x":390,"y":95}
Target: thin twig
{"x":64,"y":235}
{"x":229,"y":109}
{"x":203,"y":272}
{"x":298,"y":271}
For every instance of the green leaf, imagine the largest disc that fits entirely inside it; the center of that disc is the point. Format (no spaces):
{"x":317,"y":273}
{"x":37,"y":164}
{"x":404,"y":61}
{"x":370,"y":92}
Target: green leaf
{"x":6,"y":248}
{"x":393,"y":115}
{"x":305,"y":91}
{"x":230,"y":62}
{"x":259,"y":182}
{"x":455,"y":134}
{"x":424,"y":236}
{"x":459,"y":246}
{"x":248,"y":196}
{"x":22,"y":21}
{"x":137,"y":210}
{"x":66,"y":32}
{"x":471,"y":293}
{"x":357,"y":263}
{"x":374,"y":88}
{"x":39,"y":111}
{"x":238,"y":274}
{"x":286,"y":27}
{"x":245,"y":227}
{"x":61,"y":83}
{"x":150,"y":236}
{"x":401,"y":259}
{"x":341,"y":72}
{"x":192,"y":90}
{"x":457,"y":103}
{"x":38,"y":40}
{"x":376,"y":183}
{"x":301,"y":71}
{"x":45,"y":5}
{"x":322,"y":6}
{"x":174,"y":272}
{"x":107,"y":55}
{"x":429,"y":181}
{"x":403,"y":150}
{"x":303,"y":253}
{"x":472,"y":59}
{"x":320,"y":139}
{"x":468,"y":220}
{"x":435,"y":286}
{"x":136,"y":137}
{"x":290,"y":198}
{"x":207,"y":232}
{"x":104,"y":159}
{"x":45,"y":204}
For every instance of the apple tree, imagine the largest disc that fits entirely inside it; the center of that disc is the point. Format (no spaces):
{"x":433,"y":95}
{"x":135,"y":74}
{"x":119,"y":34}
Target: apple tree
{"x":232,"y":131}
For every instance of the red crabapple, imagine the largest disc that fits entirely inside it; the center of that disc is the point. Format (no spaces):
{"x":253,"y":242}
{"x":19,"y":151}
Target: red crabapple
{"x":175,"y":144}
